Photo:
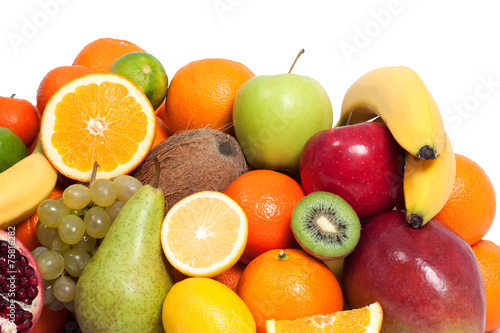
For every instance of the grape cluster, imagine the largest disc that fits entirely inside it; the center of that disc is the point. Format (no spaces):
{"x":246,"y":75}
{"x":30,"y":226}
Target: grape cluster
{"x":71,"y":228}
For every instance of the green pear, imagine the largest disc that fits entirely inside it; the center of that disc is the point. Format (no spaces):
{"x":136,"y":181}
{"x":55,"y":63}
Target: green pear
{"x":123,"y":287}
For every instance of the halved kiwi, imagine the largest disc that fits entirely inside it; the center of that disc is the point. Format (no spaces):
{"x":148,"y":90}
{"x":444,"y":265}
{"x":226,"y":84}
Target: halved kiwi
{"x":325,"y":226}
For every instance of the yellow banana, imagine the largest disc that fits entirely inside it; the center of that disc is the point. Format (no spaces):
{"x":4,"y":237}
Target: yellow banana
{"x":399,"y":96}
{"x":24,"y":186}
{"x":428,"y":185}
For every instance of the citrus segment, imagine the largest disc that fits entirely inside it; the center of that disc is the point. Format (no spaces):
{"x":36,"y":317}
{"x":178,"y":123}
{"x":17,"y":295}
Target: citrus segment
{"x":101,"y":118}
{"x":204,"y":234}
{"x":366,"y":320}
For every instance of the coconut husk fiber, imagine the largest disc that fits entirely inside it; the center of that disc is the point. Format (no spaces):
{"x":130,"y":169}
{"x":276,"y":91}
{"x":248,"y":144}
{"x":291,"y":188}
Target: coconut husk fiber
{"x":192,"y":161}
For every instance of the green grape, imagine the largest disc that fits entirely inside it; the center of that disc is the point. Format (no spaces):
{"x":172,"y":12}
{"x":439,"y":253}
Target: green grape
{"x":64,"y":289}
{"x":87,"y":243}
{"x":75,"y":261}
{"x":102,"y":192}
{"x":76,"y":196}
{"x":48,"y":295}
{"x":56,"y":305}
{"x":38,"y":250}
{"x":59,"y":245}
{"x":97,"y":222}
{"x":70,"y":306}
{"x":71,"y":229}
{"x":45,"y":234}
{"x":51,"y":211}
{"x":51,"y":264}
{"x":114,"y":209}
{"x":126,"y":186}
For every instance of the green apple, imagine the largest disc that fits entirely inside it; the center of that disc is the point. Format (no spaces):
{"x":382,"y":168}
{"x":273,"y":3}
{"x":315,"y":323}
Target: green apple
{"x":275,"y":115}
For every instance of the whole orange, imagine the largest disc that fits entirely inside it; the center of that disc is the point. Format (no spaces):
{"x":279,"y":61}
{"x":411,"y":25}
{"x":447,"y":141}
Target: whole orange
{"x":471,"y":207}
{"x":51,"y":321}
{"x":201,"y":94}
{"x":268,"y":198}
{"x":288,"y":284}
{"x":54,"y":80}
{"x":26,"y":230}
{"x":231,"y":277}
{"x":100,"y":54}
{"x":488,"y":257}
{"x":20,"y":116}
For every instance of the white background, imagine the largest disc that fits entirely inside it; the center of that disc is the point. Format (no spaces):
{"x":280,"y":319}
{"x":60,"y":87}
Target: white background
{"x":453,"y":46}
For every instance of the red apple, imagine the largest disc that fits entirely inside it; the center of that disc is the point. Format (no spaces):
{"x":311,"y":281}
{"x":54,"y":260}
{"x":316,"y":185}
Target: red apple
{"x":361,"y":163}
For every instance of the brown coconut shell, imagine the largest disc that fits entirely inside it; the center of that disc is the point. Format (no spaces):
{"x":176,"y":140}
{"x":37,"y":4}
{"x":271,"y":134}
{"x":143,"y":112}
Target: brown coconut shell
{"x":192,"y":161}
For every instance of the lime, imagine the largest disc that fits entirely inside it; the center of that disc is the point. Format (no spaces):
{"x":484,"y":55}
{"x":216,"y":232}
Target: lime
{"x":146,"y":72}
{"x":12,"y":149}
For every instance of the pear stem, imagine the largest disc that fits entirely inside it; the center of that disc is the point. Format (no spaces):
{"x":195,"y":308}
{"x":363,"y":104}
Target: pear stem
{"x":157,"y":172}
{"x":296,"y":58}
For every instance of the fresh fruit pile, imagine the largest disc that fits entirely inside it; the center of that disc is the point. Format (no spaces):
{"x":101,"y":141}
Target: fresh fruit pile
{"x":131,"y":203}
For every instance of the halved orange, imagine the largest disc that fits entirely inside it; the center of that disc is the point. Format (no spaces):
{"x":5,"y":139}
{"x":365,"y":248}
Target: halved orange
{"x":101,"y":118}
{"x":366,"y":320}
{"x":204,"y":234}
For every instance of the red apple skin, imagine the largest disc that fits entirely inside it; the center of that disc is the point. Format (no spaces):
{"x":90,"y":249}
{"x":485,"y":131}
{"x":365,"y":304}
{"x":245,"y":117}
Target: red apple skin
{"x":426,"y":279}
{"x":361,"y":163}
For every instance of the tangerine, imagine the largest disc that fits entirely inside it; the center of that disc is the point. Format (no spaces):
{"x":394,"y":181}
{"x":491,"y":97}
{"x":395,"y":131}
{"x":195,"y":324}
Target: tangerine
{"x":268,"y":198}
{"x":51,"y":321}
{"x":54,"y":80}
{"x":20,"y":116}
{"x":288,"y":284}
{"x":488,"y":257}
{"x":100,"y":54}
{"x":471,"y":207}
{"x":201,"y":94}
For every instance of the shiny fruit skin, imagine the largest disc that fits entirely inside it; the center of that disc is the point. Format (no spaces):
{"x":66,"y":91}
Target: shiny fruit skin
{"x":426,"y":279}
{"x":361,"y":163}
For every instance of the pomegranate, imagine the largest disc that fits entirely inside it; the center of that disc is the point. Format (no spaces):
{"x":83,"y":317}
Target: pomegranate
{"x":21,"y":285}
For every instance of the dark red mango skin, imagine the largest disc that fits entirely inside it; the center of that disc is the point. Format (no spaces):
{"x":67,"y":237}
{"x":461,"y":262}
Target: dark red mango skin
{"x":426,"y":279}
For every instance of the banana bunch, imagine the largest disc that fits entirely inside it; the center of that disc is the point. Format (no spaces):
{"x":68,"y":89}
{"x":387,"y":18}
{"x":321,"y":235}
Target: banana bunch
{"x":398,"y":97}
{"x":24,"y":186}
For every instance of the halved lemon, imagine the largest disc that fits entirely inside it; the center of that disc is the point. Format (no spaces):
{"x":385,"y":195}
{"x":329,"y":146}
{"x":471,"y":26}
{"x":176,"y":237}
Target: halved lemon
{"x":367,"y":320}
{"x":101,"y":118}
{"x":204,"y":234}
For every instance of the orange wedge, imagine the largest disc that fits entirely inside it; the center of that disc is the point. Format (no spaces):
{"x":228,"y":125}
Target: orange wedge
{"x":366,"y":320}
{"x":204,"y":234}
{"x":101,"y":118}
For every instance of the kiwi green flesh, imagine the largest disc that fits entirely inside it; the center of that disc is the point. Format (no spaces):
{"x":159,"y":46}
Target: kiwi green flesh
{"x":325,"y":226}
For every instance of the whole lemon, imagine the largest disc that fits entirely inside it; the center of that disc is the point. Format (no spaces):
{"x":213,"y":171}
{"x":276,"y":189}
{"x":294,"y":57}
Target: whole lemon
{"x":204,"y":305}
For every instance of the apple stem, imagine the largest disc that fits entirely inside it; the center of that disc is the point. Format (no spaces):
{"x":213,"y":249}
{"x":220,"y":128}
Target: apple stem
{"x":349,"y":117}
{"x":296,"y":58}
{"x":12,"y":96}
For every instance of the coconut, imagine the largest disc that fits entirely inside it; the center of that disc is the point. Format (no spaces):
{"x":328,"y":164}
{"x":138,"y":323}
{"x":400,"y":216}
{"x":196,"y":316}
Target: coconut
{"x":192,"y":161}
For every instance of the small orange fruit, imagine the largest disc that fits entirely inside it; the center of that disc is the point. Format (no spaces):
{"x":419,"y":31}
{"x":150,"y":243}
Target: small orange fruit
{"x":471,"y":207}
{"x":201,"y":94}
{"x":268,"y":198}
{"x":162,"y":132}
{"x":367,"y":319}
{"x":51,"y":321}
{"x":231,"y":277}
{"x":101,"y":118}
{"x":288,"y":284}
{"x":54,"y":80}
{"x":100,"y":54}
{"x":488,"y":257}
{"x":21,"y":117}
